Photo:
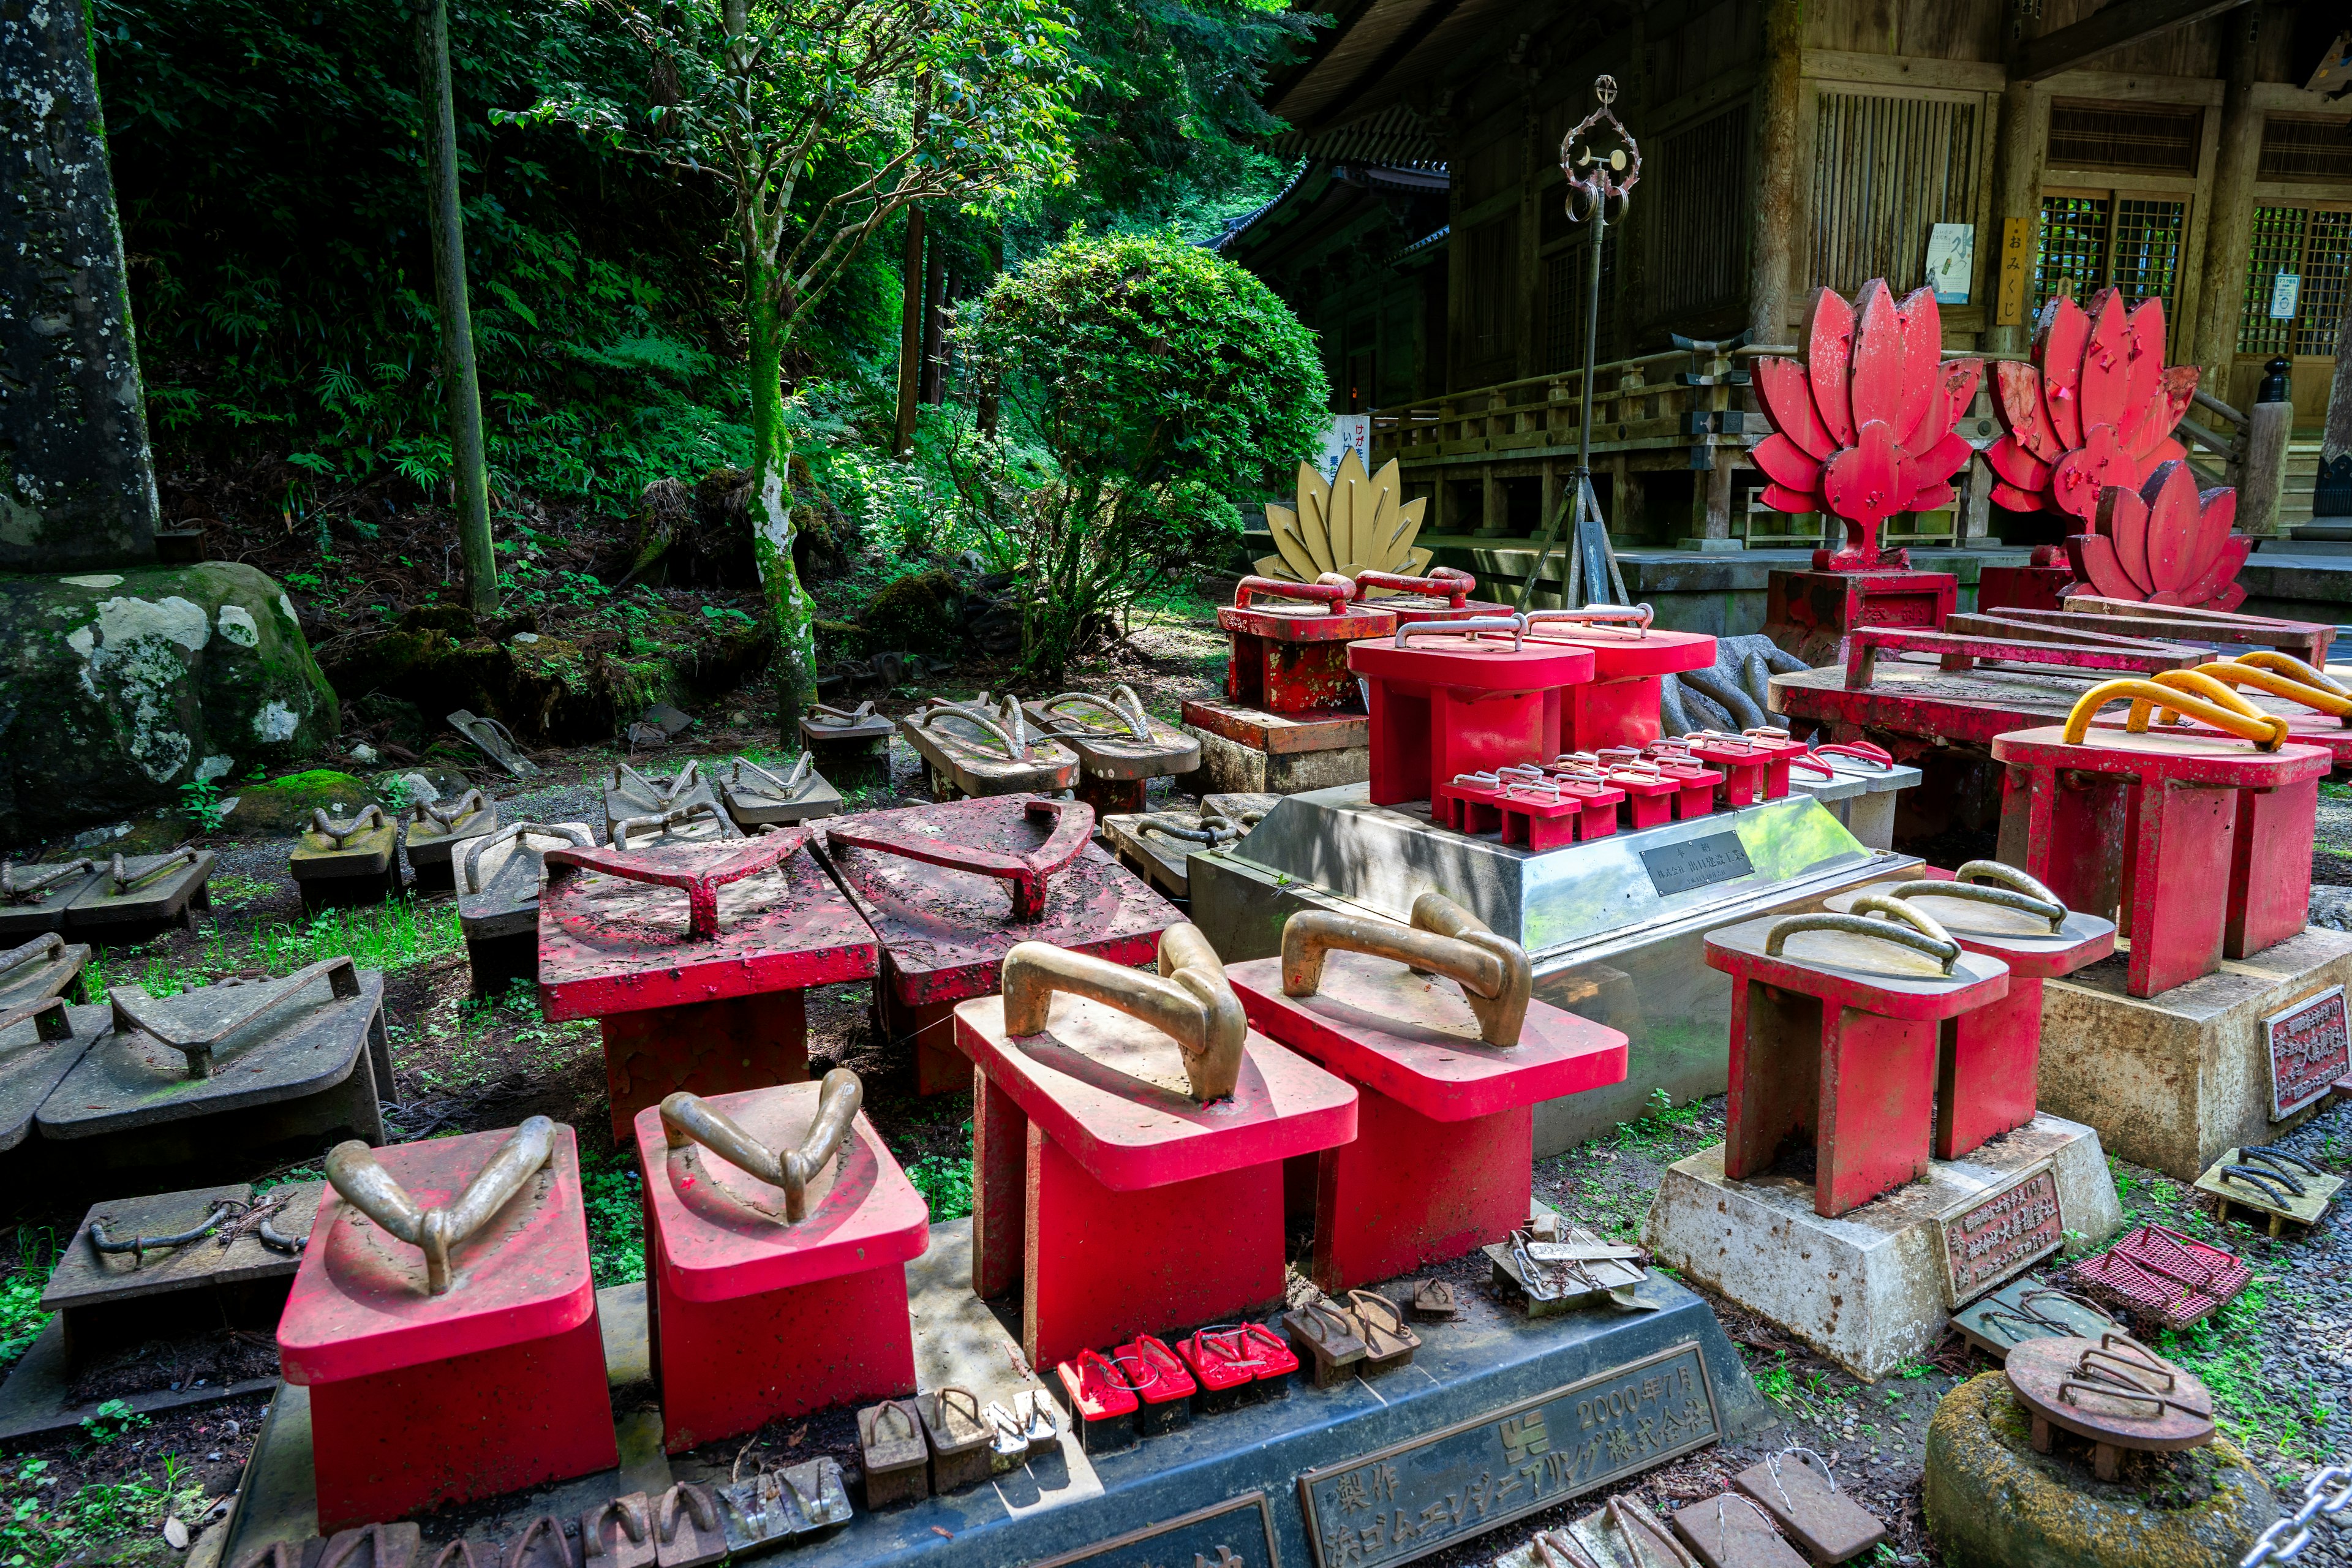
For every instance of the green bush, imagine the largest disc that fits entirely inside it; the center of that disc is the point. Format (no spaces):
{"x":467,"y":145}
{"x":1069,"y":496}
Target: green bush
{"x":918,"y":614}
{"x":1161,"y":382}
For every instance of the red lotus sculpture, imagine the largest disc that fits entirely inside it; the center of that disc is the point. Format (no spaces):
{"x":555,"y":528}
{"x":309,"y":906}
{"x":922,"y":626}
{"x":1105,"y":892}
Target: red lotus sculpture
{"x":2096,"y":407}
{"x":1862,"y":424}
{"x":2166,"y":542}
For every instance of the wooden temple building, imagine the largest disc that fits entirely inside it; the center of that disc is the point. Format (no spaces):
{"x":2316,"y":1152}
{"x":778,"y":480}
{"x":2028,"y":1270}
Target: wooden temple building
{"x":2181,"y":148}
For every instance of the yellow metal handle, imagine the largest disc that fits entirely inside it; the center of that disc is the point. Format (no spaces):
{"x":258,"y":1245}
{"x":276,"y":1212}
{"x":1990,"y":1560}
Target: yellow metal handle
{"x":2146,"y":697}
{"x":1443,"y":939}
{"x":2294,"y":668}
{"x":1190,"y":1000}
{"x":2236,"y":673}
{"x":689,"y":1118}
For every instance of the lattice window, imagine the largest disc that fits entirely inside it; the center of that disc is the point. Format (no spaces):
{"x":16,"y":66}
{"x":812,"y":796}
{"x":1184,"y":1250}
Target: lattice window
{"x":1566,"y":279}
{"x":1489,"y":295}
{"x":2315,"y":243}
{"x":2295,"y":148}
{"x":2146,"y":250}
{"x":1702,"y":220}
{"x":2160,"y":138}
{"x":1886,"y":170}
{"x":2073,"y":245}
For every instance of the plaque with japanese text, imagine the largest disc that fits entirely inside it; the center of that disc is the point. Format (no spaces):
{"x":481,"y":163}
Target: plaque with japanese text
{"x":2001,"y":1233}
{"x":1236,"y":1534}
{"x":1696,"y":863}
{"x":2310,"y":1050}
{"x":1416,"y":1497}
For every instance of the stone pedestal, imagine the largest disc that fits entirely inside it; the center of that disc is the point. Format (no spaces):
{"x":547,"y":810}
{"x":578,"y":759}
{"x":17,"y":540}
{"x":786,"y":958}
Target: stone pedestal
{"x":1248,"y":751}
{"x":2172,"y":1079}
{"x":1871,"y":1289}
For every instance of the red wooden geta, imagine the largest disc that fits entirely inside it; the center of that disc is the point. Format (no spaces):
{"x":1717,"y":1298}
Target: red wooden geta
{"x":1833,"y":1043}
{"x":755,"y":1318}
{"x":1619,"y":706}
{"x":1293,"y":658}
{"x":1456,"y":698}
{"x":495,"y":1385}
{"x":693,"y":958}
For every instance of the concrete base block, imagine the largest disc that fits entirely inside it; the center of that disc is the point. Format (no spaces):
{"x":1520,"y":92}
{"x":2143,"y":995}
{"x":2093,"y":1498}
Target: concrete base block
{"x":1229,"y":767}
{"x":2171,"y":1081}
{"x":1868,"y":1288}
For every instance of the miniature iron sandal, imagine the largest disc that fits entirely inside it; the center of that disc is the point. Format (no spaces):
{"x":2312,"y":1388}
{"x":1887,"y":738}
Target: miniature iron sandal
{"x":1331,"y":1336}
{"x":1388,"y":1344}
{"x":1435,"y":1298}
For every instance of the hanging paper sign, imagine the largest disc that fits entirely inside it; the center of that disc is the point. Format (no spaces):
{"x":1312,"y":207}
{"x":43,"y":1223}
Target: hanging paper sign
{"x":2286,"y":292}
{"x":1348,"y":432}
{"x":1951,"y":261}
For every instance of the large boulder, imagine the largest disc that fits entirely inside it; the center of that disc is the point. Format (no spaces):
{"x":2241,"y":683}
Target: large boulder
{"x":116,"y":688}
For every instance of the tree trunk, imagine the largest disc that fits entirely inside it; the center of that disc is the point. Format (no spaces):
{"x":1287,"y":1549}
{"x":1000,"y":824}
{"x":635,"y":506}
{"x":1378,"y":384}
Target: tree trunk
{"x":791,"y":611}
{"x":986,"y":413}
{"x":1779,"y":96}
{"x":470,"y":472}
{"x":77,"y":489}
{"x":935,"y":304}
{"x":2022,"y":134}
{"x":910,"y":333}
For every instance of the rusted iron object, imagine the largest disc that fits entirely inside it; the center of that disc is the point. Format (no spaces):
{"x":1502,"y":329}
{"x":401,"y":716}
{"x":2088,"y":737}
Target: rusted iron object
{"x":1330,"y":1338}
{"x":1797,"y":1488}
{"x":34,"y":973}
{"x":354,"y":1173}
{"x":1072,"y":824}
{"x":687,"y":1529}
{"x":436,"y":828}
{"x":1292,"y":661}
{"x":699,"y":877}
{"x":960,"y":1437}
{"x":1188,"y":1001}
{"x":898,"y":1461}
{"x":632,"y":793}
{"x":26,"y":884}
{"x":494,"y":741}
{"x":1439,"y":588}
{"x":1116,"y":739}
{"x":499,"y":876}
{"x":1389,"y":1341}
{"x":138,"y":889}
{"x":1863,"y":426}
{"x":374,"y":1545}
{"x":700,"y":822}
{"x":2282,"y":1187}
{"x":845,"y":732}
{"x":1987,"y":638}
{"x":2163,"y":1277}
{"x":348,"y":848}
{"x":134,"y":1013}
{"x":1731,"y":1530}
{"x":756,"y":798}
{"x":2113,"y":1391}
{"x":1443,"y":939}
{"x":34,"y":897}
{"x":618,"y":1533}
{"x":2029,"y":1309}
{"x":688,"y":1119}
{"x":1572,"y":1269}
{"x":974,"y":749}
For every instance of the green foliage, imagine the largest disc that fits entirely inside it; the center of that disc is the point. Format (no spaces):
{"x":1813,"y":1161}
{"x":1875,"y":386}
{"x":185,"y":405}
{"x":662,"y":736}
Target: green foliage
{"x":387,"y":936}
{"x":21,"y":1318}
{"x":201,"y":799}
{"x":38,"y":1528}
{"x":616,"y":1220}
{"x":1157,"y":380}
{"x":917,"y":613}
{"x":112,"y":1421}
{"x":945,"y":1182}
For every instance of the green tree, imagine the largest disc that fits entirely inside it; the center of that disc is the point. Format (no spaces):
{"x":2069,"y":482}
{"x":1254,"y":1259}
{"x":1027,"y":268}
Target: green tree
{"x":1160,"y":380}
{"x":822,"y":120}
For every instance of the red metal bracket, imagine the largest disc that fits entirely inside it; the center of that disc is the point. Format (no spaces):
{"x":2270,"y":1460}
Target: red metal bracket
{"x":1074,"y":823}
{"x":701,"y":888}
{"x":1331,"y":590}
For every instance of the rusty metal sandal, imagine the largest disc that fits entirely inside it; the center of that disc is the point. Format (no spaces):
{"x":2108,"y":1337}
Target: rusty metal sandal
{"x":1731,"y":1530}
{"x":463,"y":1553}
{"x":897,"y":1460}
{"x":543,"y":1544}
{"x":1387,"y":1342}
{"x":1796,"y":1487}
{"x":367,"y":1186}
{"x":686,"y":1532}
{"x":1435,"y":1298}
{"x":1329,"y":1335}
{"x":373,"y":1546}
{"x":1073,"y":827}
{"x":619,"y":1533}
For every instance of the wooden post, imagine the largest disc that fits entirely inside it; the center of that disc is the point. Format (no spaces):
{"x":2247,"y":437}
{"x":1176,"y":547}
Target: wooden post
{"x":1494,"y":510}
{"x":2331,"y":494}
{"x":1772,"y":233}
{"x":911,"y":332}
{"x":2270,"y":426}
{"x":2230,"y":211}
{"x":2021,"y":139}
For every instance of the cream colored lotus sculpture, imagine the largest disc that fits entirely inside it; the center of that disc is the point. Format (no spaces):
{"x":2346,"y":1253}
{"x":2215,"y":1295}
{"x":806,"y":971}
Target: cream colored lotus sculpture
{"x":1357,"y":523}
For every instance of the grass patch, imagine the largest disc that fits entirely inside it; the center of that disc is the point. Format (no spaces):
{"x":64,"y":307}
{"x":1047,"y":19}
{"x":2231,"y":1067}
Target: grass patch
{"x":616,"y":1221}
{"x":2254,"y":1406}
{"x":21,"y":1318}
{"x":38,"y":1528}
{"x":383,"y":937}
{"x":945,"y":1183}
{"x":1664,"y":1124}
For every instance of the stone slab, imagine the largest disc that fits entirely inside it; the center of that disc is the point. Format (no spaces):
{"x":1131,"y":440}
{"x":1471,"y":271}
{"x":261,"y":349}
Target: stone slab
{"x":2171,"y":1081}
{"x":1230,"y":767}
{"x":1289,"y":1483}
{"x":1868,"y":1289}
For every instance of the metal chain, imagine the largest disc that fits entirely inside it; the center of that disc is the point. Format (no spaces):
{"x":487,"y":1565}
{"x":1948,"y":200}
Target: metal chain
{"x":2316,"y":1502}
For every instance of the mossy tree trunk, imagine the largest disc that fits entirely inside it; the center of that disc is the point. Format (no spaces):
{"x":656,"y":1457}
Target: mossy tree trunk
{"x":790,"y":611}
{"x":78,"y":485}
{"x":469,"y":469}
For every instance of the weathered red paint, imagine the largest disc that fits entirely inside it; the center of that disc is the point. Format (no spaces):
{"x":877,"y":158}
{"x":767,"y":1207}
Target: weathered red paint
{"x":2146,"y":823}
{"x":1442,"y":1159}
{"x":754,"y":1320}
{"x":944,"y":930}
{"x":495,"y":1385}
{"x":1142,"y":1209}
{"x":1838,"y":1056}
{"x":1295,"y":660}
{"x":1809,"y":612}
{"x":2096,"y":408}
{"x":1458,"y":703}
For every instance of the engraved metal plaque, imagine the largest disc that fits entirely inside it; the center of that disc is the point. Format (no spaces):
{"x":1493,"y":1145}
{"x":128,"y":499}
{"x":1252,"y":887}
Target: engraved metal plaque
{"x":1696,"y":863}
{"x":1416,"y":1497}
{"x":2310,"y":1050}
{"x":1236,"y":1534}
{"x":2001,"y":1233}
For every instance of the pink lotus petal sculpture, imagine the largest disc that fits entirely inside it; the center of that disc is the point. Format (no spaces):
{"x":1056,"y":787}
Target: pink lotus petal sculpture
{"x":2165,"y":543}
{"x":1863,"y":426}
{"x":2096,"y":407}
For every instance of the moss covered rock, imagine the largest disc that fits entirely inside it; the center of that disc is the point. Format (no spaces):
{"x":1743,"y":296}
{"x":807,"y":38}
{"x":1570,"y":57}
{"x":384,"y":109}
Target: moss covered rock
{"x":921,"y":614}
{"x":116,"y":688}
{"x":1993,"y":1502}
{"x":285,"y":805}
